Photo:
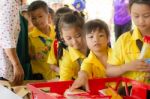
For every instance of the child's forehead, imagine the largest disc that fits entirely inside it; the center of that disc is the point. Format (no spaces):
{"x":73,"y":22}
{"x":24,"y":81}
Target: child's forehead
{"x":39,"y":10}
{"x":140,"y":5}
{"x":71,"y":27}
{"x":98,"y":30}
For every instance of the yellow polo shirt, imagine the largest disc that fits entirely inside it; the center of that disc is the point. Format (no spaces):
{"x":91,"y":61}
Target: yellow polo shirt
{"x":125,"y":50}
{"x":51,"y":57}
{"x":69,"y":65}
{"x":36,"y":45}
{"x":93,"y":67}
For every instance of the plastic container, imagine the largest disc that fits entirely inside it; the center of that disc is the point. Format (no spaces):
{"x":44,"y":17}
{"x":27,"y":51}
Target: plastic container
{"x":146,"y":48}
{"x":95,"y":85}
{"x":148,"y":61}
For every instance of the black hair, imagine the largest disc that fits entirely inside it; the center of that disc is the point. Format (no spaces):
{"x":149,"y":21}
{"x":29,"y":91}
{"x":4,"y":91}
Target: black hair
{"x":57,"y":16}
{"x":131,"y":2}
{"x":72,"y":19}
{"x":59,"y":13}
{"x":38,"y":4}
{"x":95,"y":24}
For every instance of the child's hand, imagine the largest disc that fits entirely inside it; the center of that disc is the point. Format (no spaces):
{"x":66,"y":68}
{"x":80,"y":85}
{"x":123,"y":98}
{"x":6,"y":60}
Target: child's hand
{"x":82,"y":80}
{"x":147,"y":76}
{"x":138,"y":65}
{"x":39,"y":56}
{"x":54,"y":68}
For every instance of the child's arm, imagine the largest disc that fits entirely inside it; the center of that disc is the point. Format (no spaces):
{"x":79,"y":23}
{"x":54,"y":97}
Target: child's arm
{"x":52,"y":60}
{"x":54,"y":68}
{"x":82,"y":80}
{"x":137,"y":65}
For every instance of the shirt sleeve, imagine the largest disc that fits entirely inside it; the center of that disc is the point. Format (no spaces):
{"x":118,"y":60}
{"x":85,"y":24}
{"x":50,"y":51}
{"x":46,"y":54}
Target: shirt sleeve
{"x":117,"y":53}
{"x":51,"y":57}
{"x":87,"y":67}
{"x":9,"y":23}
{"x":67,"y":68}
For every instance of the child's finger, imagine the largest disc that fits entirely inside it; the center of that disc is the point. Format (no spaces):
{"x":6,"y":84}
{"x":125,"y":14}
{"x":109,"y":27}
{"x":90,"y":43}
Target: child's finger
{"x":75,"y":85}
{"x":87,"y":87}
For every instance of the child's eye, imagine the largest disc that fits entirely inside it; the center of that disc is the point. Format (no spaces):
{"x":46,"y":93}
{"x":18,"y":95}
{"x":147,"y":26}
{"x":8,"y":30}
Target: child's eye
{"x":90,"y":36}
{"x":79,"y":35}
{"x":136,"y":16}
{"x":146,"y":16}
{"x":101,"y":35}
{"x":68,"y":38}
{"x":33,"y":18}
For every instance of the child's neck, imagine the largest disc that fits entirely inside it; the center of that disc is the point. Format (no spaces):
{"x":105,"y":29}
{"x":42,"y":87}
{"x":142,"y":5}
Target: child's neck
{"x":46,"y":30}
{"x":84,"y":50}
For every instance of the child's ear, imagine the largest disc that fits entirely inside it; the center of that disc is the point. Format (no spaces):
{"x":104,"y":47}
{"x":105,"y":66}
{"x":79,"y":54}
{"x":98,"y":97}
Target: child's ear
{"x":108,"y":42}
{"x":108,"y":39}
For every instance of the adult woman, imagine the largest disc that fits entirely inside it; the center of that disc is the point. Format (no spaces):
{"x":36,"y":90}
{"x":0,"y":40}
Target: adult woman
{"x":10,"y":67}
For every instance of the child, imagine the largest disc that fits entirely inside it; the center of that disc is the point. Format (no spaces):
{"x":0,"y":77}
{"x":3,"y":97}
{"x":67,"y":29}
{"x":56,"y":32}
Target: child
{"x":40,"y":40}
{"x":58,"y":44}
{"x":124,"y":60}
{"x":97,"y":38}
{"x":71,"y":26}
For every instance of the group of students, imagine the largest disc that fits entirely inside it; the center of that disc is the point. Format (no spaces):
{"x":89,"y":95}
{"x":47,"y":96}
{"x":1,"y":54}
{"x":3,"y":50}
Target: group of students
{"x":77,"y":50}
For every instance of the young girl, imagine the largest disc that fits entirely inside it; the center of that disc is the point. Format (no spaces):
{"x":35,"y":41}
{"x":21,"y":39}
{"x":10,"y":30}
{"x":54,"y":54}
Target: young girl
{"x":125,"y":55}
{"x":70,"y":26}
{"x":97,"y":38}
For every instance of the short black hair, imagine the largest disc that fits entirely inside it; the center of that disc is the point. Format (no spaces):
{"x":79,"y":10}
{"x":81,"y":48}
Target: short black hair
{"x":38,"y":4}
{"x":95,"y":24}
{"x":131,"y":2}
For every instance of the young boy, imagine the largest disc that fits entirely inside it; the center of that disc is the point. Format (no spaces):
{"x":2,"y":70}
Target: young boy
{"x":94,"y":66}
{"x":125,"y":55}
{"x":40,"y":40}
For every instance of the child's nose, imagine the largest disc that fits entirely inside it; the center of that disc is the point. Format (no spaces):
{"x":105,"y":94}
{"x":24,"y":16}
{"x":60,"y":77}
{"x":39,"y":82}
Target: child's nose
{"x":74,"y":41}
{"x":95,"y":38}
{"x":141,"y":20}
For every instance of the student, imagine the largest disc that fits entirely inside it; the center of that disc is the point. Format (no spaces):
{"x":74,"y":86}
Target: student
{"x":40,"y":40}
{"x":124,"y":60}
{"x":58,"y":45}
{"x":97,"y":38}
{"x":70,"y":26}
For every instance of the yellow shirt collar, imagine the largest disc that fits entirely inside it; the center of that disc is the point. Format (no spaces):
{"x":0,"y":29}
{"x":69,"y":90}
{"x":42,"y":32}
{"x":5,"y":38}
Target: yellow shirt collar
{"x":36,"y":32}
{"x":75,"y":54}
{"x":93,"y":59}
{"x":136,"y":34}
